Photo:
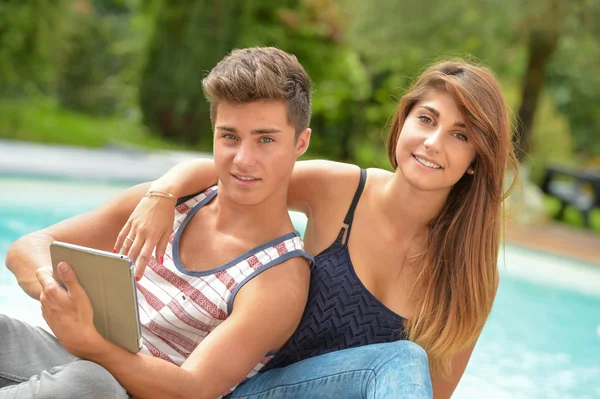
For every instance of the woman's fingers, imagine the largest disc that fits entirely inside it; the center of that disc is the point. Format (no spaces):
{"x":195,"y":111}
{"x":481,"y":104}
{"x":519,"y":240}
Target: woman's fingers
{"x":149,"y":227}
{"x":161,"y":247}
{"x":144,"y":258}
{"x":127,"y":244}
{"x":121,"y":238}
{"x":136,"y":246}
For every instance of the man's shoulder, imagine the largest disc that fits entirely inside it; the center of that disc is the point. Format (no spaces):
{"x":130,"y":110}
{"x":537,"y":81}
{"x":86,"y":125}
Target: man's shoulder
{"x":197,"y":197}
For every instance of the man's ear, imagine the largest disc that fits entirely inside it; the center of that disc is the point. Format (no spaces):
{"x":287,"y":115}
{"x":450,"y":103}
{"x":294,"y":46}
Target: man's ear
{"x":302,"y":142}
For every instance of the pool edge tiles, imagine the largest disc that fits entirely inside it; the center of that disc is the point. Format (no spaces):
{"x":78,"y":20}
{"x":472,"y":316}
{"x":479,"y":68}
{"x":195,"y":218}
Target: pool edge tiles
{"x":557,"y":271}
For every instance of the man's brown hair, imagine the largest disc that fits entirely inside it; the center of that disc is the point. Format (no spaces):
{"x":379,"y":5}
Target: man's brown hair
{"x":261,"y":73}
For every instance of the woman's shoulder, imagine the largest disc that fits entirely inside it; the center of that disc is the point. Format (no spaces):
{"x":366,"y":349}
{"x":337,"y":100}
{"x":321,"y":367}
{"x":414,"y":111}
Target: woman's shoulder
{"x":330,"y":172}
{"x":317,"y":182}
{"x":322,"y":168}
{"x":319,"y":175}
{"x":379,"y":175}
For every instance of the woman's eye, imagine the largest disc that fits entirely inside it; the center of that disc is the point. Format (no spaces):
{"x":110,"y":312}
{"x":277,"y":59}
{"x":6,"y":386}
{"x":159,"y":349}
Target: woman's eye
{"x":425,"y":119}
{"x":266,"y":139}
{"x":461,"y":136}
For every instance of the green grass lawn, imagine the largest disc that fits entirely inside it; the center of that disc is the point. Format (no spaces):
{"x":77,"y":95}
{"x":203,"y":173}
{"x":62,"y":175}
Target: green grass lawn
{"x":572,"y":215}
{"x":42,"y":120}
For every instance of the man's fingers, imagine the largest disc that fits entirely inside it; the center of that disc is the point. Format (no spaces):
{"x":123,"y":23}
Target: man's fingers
{"x":67,"y":275}
{"x":51,"y":289}
{"x":44,"y":276}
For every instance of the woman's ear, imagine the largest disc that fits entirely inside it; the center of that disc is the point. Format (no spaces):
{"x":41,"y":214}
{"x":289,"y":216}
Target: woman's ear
{"x":471,"y":168}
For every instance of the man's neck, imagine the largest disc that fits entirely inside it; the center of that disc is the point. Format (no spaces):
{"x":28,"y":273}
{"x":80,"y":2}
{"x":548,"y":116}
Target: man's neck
{"x":268,"y":218}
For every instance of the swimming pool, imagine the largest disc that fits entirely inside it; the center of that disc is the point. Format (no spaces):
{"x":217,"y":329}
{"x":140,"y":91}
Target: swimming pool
{"x":541,"y":341}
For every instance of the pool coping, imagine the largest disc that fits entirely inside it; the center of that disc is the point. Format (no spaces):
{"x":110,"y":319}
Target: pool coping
{"x":115,"y":164}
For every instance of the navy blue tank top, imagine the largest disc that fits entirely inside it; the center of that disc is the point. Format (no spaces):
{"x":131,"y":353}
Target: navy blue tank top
{"x":340,"y":313}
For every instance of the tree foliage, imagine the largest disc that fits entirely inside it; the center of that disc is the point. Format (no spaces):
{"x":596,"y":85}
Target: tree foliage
{"x":147,"y":58}
{"x":189,"y":38}
{"x":31,"y":36}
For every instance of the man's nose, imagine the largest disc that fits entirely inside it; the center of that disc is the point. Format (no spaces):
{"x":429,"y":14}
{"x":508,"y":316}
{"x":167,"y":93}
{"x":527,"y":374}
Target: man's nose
{"x":245,"y":155}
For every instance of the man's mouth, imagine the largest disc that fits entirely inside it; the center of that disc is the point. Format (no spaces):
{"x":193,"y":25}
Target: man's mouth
{"x":245,"y":178}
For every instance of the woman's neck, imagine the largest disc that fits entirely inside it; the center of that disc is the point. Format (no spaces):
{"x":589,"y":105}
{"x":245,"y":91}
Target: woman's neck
{"x":409,"y":208}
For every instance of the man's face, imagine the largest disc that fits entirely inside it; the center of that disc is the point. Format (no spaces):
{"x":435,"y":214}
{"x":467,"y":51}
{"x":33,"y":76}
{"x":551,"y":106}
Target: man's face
{"x":255,"y":149}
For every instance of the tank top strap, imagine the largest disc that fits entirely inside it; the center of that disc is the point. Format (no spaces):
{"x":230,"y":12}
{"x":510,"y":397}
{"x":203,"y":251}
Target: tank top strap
{"x":347,"y":224}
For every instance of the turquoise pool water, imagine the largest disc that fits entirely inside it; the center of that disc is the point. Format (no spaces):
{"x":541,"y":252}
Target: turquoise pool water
{"x":541,"y":341}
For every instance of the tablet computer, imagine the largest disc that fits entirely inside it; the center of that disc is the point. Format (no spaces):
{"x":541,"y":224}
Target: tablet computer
{"x":109,"y":281}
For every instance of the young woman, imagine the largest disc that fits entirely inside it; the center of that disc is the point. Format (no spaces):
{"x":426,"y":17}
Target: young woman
{"x":404,"y":255}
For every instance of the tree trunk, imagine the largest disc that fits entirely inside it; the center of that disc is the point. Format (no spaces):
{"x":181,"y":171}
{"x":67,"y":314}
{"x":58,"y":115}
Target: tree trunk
{"x":541,"y":46}
{"x":189,"y":39}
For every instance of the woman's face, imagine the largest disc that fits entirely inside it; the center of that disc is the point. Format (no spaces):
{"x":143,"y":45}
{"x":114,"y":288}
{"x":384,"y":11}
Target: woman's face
{"x":434,"y":149}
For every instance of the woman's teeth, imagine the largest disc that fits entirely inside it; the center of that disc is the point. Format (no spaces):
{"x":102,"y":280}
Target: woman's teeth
{"x":427,"y":163}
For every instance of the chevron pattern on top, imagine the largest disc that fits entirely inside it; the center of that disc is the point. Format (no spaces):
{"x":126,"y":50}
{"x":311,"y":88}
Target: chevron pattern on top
{"x":341,"y":313}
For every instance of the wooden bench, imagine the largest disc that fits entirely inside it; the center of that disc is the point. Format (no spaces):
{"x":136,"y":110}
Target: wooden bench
{"x":576,"y":187}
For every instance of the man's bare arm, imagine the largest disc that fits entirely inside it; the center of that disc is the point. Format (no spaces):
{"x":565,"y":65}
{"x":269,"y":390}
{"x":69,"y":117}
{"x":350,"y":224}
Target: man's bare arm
{"x":266,"y":312}
{"x":96,"y":229}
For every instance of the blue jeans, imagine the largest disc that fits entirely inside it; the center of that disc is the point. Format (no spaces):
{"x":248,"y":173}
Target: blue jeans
{"x":382,"y":371}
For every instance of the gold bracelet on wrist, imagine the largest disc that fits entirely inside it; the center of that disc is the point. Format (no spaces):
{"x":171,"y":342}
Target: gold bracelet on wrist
{"x":163,"y":194}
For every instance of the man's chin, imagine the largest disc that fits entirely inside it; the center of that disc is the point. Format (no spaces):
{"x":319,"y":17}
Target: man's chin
{"x":245,"y":197}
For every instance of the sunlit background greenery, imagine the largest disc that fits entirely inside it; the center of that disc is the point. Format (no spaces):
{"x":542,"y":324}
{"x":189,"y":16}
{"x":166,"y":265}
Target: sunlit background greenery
{"x":128,"y":72}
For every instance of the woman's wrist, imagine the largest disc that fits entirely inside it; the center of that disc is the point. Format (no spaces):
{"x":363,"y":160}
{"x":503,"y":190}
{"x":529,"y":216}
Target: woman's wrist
{"x":160,"y":194}
{"x":158,"y":186}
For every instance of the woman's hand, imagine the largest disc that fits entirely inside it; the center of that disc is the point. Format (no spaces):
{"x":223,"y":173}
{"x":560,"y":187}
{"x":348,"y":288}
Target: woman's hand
{"x":150,"y":226}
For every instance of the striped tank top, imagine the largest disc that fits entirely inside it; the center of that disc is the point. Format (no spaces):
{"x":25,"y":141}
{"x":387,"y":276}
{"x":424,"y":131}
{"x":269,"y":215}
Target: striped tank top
{"x":178,"y":308}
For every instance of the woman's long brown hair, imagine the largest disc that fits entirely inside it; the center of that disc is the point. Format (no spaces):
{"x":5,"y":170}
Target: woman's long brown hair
{"x":458,"y":274}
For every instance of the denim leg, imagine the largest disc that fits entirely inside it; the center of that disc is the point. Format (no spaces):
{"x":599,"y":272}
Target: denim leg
{"x":34,"y":365}
{"x":26,"y":350}
{"x":77,"y":380}
{"x":382,"y":371}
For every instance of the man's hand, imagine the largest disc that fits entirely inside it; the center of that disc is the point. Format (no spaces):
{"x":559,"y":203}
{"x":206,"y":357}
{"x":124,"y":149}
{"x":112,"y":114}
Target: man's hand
{"x":68,"y":312}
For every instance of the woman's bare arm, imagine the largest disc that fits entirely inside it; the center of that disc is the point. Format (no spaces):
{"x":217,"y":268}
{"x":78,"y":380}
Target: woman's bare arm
{"x":312,"y":185}
{"x":187,"y":178}
{"x":444,"y":387}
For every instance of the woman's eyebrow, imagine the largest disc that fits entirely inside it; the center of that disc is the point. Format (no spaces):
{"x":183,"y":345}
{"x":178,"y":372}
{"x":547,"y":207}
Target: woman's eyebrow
{"x":437,"y":114}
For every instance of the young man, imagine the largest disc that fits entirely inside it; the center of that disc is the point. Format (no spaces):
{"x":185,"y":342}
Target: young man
{"x":233,"y":248}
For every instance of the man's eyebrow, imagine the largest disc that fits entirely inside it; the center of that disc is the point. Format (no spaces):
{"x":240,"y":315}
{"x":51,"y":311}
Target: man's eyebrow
{"x":265,"y":130}
{"x":227,"y":128}
{"x":437,"y":114}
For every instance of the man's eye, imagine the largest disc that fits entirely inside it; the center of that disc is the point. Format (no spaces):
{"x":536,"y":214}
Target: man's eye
{"x":266,"y":139}
{"x":425,"y":119}
{"x":229,"y":136}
